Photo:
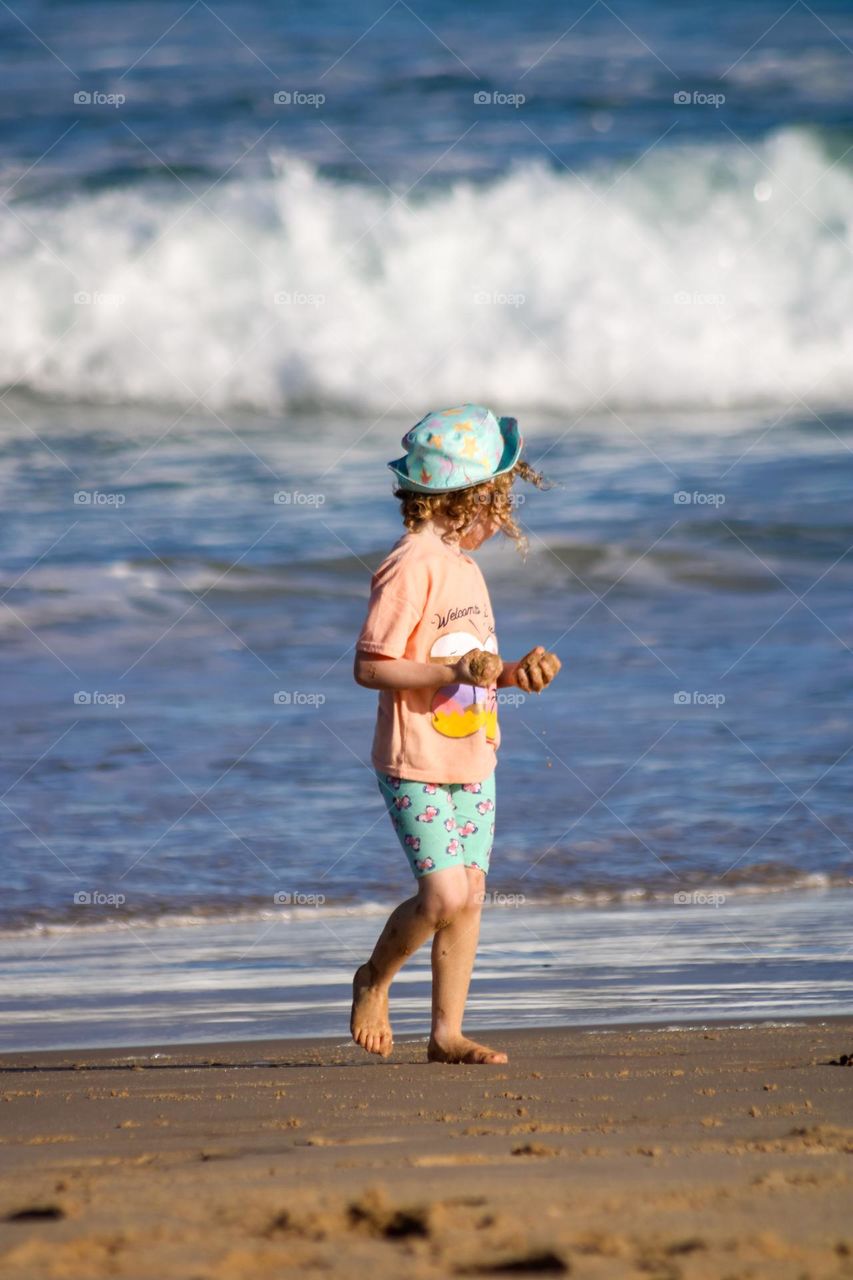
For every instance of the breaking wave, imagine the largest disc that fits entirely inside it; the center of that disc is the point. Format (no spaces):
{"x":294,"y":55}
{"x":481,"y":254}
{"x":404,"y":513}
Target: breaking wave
{"x":704,"y":276}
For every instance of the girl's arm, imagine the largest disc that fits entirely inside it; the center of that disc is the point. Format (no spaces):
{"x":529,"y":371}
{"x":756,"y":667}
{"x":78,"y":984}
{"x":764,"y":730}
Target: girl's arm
{"x":375,"y":672}
{"x":507,"y":676}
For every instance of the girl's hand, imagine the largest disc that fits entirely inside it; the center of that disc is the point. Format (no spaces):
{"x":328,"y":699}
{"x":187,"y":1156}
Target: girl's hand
{"x":536,"y":670}
{"x":478,"y":667}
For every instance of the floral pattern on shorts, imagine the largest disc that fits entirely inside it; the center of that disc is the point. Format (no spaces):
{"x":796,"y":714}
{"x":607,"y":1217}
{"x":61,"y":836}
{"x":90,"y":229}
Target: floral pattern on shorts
{"x":441,"y":824}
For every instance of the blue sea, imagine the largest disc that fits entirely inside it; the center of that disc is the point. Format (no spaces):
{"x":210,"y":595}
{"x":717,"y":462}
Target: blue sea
{"x":243,"y":248}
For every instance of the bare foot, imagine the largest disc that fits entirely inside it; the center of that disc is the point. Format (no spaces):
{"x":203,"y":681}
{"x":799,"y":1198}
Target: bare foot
{"x":369,"y":1022}
{"x":461,"y":1049}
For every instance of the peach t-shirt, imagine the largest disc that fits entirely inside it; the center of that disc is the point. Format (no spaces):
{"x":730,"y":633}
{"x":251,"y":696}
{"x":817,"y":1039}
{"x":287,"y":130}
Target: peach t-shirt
{"x":429,"y":603}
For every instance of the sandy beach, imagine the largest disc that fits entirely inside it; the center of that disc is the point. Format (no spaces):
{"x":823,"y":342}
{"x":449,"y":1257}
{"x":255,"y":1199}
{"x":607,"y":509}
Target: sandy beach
{"x":716,"y":1151}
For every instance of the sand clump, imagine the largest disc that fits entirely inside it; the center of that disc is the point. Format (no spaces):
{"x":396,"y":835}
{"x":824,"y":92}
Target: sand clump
{"x":485,"y":667}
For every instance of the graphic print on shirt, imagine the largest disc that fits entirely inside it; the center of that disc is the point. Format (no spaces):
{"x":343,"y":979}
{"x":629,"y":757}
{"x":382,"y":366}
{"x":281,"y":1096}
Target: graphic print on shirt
{"x":459,"y":710}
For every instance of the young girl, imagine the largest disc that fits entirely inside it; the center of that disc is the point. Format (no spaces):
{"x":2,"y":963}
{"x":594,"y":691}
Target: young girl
{"x":429,"y":646}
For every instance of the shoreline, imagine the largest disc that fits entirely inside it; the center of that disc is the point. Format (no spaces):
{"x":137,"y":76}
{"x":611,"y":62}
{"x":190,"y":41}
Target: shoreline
{"x":686,"y":1153}
{"x":779,"y":957}
{"x":184,"y":1054}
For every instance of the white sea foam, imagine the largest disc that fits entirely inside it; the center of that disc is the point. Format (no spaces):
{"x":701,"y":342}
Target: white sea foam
{"x":639,"y":896}
{"x":703,"y":276}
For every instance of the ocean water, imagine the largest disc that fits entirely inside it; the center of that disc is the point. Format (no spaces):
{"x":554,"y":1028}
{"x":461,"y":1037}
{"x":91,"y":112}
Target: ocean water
{"x":221,"y":311}
{"x":162,"y":983}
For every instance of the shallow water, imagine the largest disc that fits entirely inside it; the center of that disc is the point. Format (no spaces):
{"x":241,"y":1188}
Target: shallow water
{"x":758,"y":958}
{"x":700,"y":729}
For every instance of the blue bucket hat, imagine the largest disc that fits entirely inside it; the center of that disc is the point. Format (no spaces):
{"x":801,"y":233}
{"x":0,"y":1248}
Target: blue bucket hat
{"x":456,"y":449}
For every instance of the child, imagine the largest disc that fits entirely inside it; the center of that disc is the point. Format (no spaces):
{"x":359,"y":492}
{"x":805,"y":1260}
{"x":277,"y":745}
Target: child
{"x":429,"y":646}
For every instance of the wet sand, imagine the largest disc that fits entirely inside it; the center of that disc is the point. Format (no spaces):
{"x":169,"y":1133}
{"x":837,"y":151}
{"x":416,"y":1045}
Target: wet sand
{"x":700,"y":1152}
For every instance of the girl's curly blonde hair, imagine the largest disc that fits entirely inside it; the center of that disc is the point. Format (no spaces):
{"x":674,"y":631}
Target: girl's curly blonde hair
{"x":461,"y":507}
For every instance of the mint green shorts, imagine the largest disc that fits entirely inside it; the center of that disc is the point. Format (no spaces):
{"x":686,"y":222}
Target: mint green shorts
{"x":441,"y":824}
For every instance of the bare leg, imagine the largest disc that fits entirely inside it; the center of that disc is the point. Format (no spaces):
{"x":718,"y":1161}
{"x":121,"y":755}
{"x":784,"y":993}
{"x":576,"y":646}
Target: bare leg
{"x":453,"y":952}
{"x":440,"y":896}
